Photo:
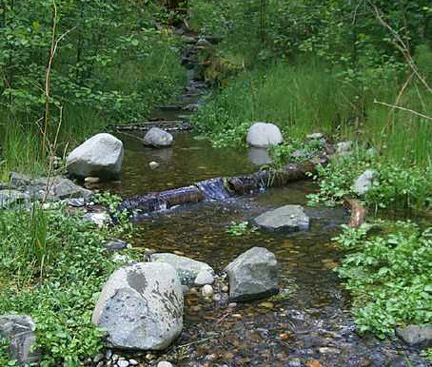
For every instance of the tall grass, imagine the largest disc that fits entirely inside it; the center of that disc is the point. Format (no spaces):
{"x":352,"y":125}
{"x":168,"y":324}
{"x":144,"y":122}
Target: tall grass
{"x":310,"y":97}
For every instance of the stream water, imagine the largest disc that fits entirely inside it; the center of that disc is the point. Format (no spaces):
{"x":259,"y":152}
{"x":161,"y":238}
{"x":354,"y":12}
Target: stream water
{"x":311,"y":326}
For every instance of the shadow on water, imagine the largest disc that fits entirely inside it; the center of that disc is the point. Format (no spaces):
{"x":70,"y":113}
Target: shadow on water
{"x":311,"y":324}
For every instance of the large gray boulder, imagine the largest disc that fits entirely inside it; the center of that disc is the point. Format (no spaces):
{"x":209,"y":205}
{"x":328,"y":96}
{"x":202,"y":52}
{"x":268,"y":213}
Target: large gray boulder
{"x":100,"y":156}
{"x":10,"y":198}
{"x":187,"y":269}
{"x":416,"y":336}
{"x":289,"y":218}
{"x":253,"y":275}
{"x":20,"y":331}
{"x":263,"y":135}
{"x":158,"y":138}
{"x":141,"y":307}
{"x":364,"y":182}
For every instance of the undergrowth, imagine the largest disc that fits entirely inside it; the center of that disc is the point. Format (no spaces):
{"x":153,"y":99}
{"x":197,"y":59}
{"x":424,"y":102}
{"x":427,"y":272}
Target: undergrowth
{"x":388,"y":275}
{"x":52,"y":267}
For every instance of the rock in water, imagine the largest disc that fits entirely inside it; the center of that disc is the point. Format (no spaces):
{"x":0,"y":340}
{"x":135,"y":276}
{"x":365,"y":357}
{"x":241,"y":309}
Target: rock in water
{"x":290,"y":218}
{"x":253,"y":275}
{"x":158,"y":138}
{"x":100,"y":156}
{"x":187,"y":269}
{"x":20,"y":331}
{"x":416,"y":336}
{"x":141,"y":307}
{"x":263,"y":135}
{"x":364,"y":182}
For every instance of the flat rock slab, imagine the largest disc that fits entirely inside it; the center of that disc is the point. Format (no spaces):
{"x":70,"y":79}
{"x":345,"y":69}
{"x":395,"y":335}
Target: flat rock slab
{"x":187,"y":269}
{"x":289,"y":218}
{"x":141,"y":307}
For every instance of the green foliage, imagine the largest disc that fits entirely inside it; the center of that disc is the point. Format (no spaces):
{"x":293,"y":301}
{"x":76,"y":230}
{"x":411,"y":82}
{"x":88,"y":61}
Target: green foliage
{"x":396,"y":186}
{"x":75,"y":267}
{"x":388,"y":275}
{"x":238,"y":229}
{"x":111,"y":65}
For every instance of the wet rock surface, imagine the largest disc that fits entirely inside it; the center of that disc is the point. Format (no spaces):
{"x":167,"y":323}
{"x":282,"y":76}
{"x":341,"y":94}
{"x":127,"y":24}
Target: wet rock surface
{"x":141,"y":307}
{"x":158,"y":138}
{"x":253,"y":275}
{"x":416,"y":335}
{"x":289,"y":218}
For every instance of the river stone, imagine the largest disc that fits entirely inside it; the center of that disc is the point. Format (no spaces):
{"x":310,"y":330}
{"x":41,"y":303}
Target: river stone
{"x":156,"y":137}
{"x":288,"y":218}
{"x":263,"y":135}
{"x":204,"y":277}
{"x":253,"y":275}
{"x":100,"y":156}
{"x":187,"y":269}
{"x":364,"y":182}
{"x":9,"y":198}
{"x":141,"y":307}
{"x":20,"y":331}
{"x":416,"y":336}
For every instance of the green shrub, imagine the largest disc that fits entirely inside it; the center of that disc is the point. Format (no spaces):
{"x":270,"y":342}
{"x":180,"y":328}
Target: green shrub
{"x":388,"y":275}
{"x":75,"y":266}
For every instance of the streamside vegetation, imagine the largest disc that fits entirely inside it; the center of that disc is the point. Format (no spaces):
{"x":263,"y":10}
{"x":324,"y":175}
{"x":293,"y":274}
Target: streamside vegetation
{"x":355,"y":71}
{"x":69,"y":69}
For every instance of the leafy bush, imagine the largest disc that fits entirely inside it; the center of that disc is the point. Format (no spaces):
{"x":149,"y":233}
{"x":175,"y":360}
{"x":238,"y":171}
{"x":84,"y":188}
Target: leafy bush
{"x":396,"y":186}
{"x":62,"y":301}
{"x":389,"y":275}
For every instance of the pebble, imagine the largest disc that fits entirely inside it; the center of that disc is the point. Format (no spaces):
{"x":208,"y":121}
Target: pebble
{"x":217,"y":298}
{"x":123,"y":363}
{"x":327,"y":350}
{"x":207,"y":291}
{"x":115,"y":358}
{"x":164,"y":364}
{"x":153,"y":165}
{"x":133,"y":362}
{"x":98,"y":358}
{"x":100,"y":364}
{"x":225,"y":289}
{"x":232,"y":305}
{"x":91,"y":180}
{"x":108,"y":354}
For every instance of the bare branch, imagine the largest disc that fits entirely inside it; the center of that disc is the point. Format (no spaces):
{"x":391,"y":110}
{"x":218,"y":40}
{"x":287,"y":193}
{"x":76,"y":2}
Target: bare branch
{"x":403,"y":109}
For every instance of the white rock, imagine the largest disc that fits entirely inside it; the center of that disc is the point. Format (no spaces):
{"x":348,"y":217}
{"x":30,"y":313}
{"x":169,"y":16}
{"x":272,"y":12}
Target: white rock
{"x":263,"y":135}
{"x":100,"y":219}
{"x":204,"y":277}
{"x":165,"y":364}
{"x":364,"y":182}
{"x":100,"y":156}
{"x":153,"y":165}
{"x":141,"y":307}
{"x":207,"y":291}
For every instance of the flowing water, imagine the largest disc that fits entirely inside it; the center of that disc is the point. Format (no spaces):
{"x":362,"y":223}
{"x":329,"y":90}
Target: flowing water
{"x":311,"y":324}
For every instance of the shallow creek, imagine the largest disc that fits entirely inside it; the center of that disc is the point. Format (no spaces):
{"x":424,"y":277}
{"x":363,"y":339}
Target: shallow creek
{"x":311,"y":326}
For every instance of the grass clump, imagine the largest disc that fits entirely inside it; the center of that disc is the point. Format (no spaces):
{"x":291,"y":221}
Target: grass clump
{"x":52,"y":267}
{"x":388,"y":275}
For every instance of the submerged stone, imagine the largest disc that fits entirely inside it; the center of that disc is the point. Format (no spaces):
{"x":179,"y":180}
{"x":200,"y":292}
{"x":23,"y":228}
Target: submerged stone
{"x":158,"y":138}
{"x":253,"y":275}
{"x":290,"y":218}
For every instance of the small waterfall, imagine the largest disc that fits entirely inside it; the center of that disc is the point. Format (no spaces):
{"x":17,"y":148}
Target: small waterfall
{"x":214,"y":189}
